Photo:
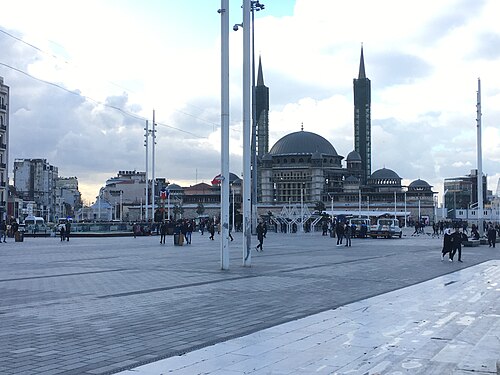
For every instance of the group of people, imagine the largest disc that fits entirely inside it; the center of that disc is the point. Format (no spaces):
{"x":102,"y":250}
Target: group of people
{"x":65,"y":230}
{"x":183,"y":229}
{"x":344,"y":230}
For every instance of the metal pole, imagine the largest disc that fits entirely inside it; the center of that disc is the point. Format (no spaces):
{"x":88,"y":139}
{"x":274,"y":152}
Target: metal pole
{"x":224,"y":244}
{"x":247,"y":228}
{"x":359,"y":203}
{"x":395,"y":217}
{"x":121,"y":205}
{"x":153,"y":179}
{"x":254,"y":131}
{"x":405,"y":210}
{"x":479,"y":163}
{"x":302,"y":209}
{"x":146,"y":143}
{"x":232,"y":187}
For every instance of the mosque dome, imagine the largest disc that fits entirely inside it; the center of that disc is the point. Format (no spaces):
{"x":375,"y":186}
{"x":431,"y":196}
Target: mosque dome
{"x":384,"y":174}
{"x":353,"y":156}
{"x":302,"y":142}
{"x":419,"y":185}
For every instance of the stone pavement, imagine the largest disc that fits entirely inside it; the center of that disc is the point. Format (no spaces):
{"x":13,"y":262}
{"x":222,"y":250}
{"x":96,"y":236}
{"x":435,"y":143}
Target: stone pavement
{"x":447,"y":325}
{"x":104,"y":305}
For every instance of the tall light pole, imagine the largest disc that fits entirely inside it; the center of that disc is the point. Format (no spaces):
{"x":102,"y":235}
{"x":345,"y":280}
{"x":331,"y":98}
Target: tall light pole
{"x":146,"y":144}
{"x":224,"y":245}
{"x":153,"y":178}
{"x":255,"y":5}
{"x":247,"y":228}
{"x":479,"y":163}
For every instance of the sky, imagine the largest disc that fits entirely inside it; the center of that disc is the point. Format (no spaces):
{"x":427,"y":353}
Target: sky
{"x":84,"y":77}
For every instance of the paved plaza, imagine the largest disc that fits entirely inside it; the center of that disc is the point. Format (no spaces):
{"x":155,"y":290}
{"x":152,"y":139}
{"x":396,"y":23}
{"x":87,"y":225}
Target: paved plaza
{"x":109,"y":305}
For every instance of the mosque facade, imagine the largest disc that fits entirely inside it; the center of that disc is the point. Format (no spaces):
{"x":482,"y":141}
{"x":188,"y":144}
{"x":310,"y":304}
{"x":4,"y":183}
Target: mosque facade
{"x":305,"y":168}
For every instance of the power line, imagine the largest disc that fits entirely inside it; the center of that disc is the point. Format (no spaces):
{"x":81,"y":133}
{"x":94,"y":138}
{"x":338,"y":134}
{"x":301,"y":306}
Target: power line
{"x":113,"y":83}
{"x":124,"y":112}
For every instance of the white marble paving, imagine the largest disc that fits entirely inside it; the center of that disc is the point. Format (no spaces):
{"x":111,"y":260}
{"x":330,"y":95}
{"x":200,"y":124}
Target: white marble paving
{"x":448,"y":325}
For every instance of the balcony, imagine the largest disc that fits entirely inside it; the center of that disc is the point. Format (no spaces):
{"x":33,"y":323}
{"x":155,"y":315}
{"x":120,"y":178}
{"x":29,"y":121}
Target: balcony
{"x":3,"y":107}
{"x":3,"y":128}
{"x":3,"y":146}
{"x":3,"y":166}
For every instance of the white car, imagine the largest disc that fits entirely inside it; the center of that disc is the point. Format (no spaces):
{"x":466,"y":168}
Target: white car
{"x":387,"y":228}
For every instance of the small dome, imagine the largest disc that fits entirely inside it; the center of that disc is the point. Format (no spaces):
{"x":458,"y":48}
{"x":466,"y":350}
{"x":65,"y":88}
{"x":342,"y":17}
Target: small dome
{"x":353,"y":156}
{"x":384,"y":174}
{"x":352,"y":180}
{"x":174,"y":187}
{"x":419,"y":185}
{"x":302,"y":142}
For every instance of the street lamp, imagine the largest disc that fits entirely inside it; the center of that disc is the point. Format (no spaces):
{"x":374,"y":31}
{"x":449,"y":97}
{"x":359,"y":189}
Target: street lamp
{"x":255,"y":5}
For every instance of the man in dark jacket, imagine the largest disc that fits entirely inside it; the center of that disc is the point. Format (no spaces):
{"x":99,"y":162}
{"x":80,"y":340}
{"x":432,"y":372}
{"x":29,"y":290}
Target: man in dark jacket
{"x":492,"y":235}
{"x":457,"y":238}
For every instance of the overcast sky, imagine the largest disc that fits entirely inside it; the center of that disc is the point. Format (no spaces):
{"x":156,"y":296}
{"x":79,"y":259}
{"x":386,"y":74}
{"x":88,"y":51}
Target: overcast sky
{"x":109,"y":63}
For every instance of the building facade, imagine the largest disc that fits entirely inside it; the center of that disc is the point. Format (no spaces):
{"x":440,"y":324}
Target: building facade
{"x":362,"y":119}
{"x":4,"y":145}
{"x":461,"y":193}
{"x":35,"y":182}
{"x":68,"y":197}
{"x":304,"y":168}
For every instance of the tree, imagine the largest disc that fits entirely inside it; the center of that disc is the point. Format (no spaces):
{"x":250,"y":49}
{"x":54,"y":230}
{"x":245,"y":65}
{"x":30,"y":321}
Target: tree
{"x":178,"y":210}
{"x":319,"y":207}
{"x":200,"y":209}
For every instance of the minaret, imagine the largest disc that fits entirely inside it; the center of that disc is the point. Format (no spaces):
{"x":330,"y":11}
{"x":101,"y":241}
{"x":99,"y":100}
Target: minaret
{"x":262,"y":113}
{"x":362,"y":119}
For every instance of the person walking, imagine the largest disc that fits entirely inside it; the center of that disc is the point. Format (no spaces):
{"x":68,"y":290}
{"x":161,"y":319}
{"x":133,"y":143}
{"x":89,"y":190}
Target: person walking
{"x":447,"y":244}
{"x":163,"y":232}
{"x":211,"y":228}
{"x":67,"y":229}
{"x":339,"y":228}
{"x":61,"y":231}
{"x":3,"y":231}
{"x":260,"y":236}
{"x":347,"y":234}
{"x":492,"y":235}
{"x":189,"y":231}
{"x":457,"y":238}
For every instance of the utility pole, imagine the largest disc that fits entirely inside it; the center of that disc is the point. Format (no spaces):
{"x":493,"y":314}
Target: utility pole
{"x":247,"y":176}
{"x":224,"y":245}
{"x":153,"y":179}
{"x":146,"y":135}
{"x":479,"y":163}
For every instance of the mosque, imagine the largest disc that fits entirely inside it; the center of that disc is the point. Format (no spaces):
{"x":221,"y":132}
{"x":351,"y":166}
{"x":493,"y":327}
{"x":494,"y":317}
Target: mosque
{"x":304,"y":168}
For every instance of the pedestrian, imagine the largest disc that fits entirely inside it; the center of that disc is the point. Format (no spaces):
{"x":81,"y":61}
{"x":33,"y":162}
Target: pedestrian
{"x":61,"y":231}
{"x":136,"y":228}
{"x":260,"y":236}
{"x":447,"y":244}
{"x":347,"y":234}
{"x":324,"y":227}
{"x":189,"y":232}
{"x":184,"y":231}
{"x":67,"y":229}
{"x":211,"y":228}
{"x":457,"y":239}
{"x":3,"y":231}
{"x":163,"y":232}
{"x":339,"y":228}
{"x":202,"y":226}
{"x":492,"y":235}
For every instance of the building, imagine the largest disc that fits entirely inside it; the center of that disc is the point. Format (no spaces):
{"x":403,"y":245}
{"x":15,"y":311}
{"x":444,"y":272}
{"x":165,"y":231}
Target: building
{"x":461,"y":193}
{"x":362,"y":119}
{"x":4,"y":146}
{"x":304,"y":168}
{"x":35,"y":182}
{"x":68,"y":197}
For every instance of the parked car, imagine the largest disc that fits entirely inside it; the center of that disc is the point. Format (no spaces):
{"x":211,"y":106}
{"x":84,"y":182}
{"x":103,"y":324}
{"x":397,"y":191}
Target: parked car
{"x":387,"y":228}
{"x":362,"y":227}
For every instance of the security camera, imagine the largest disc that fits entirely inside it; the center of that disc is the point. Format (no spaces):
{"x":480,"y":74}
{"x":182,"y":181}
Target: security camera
{"x":235,"y":27}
